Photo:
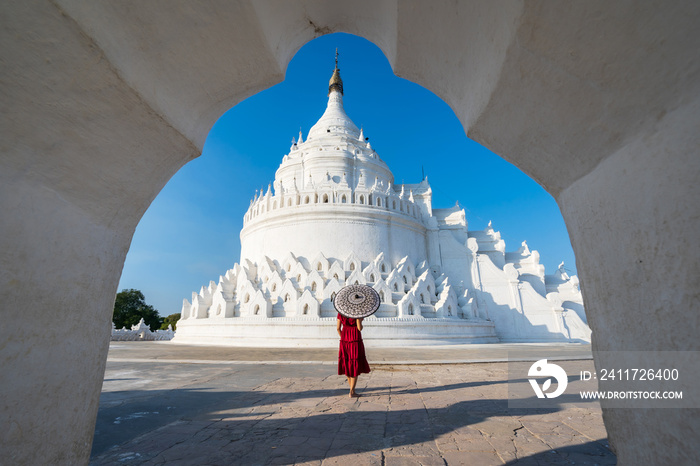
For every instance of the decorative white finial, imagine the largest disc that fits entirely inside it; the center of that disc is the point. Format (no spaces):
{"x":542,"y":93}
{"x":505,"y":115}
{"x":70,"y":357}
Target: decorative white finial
{"x":524,"y":249}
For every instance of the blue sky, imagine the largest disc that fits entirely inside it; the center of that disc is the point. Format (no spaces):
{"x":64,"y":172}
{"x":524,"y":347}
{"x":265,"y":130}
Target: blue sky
{"x":189,"y":235}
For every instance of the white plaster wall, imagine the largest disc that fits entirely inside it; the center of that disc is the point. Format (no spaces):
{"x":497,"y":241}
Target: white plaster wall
{"x":72,"y":190}
{"x":306,"y":230}
{"x":321,"y":332}
{"x":455,"y":259}
{"x":651,"y":231}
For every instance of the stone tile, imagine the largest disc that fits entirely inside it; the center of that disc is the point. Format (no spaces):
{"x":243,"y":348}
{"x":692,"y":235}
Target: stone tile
{"x":413,"y":461}
{"x":581,"y":458}
{"x":481,"y":458}
{"x":301,"y":461}
{"x":354,"y":459}
{"x":475,"y":444}
{"x":293,"y":440}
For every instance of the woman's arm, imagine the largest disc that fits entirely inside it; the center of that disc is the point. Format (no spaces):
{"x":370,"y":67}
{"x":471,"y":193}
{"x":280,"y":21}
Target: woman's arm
{"x":358,"y":322}
{"x":338,"y":328}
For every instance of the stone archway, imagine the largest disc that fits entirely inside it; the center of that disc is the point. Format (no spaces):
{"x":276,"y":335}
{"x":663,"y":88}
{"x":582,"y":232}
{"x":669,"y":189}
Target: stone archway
{"x":104,"y":102}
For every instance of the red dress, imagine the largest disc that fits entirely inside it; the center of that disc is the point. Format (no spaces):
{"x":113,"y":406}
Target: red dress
{"x":351,"y":354}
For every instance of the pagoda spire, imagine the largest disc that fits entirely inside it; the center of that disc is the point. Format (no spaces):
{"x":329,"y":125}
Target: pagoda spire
{"x":336,"y":82}
{"x":334,"y":119}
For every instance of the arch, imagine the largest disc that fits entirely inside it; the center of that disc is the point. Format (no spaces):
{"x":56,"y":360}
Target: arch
{"x":313,"y":286}
{"x":344,"y":199}
{"x":247,"y":298}
{"x":256,"y":309}
{"x":286,"y":298}
{"x":383,"y":268}
{"x":396,"y":287}
{"x":480,"y":123}
{"x":274,"y":205}
{"x":289,"y":202}
{"x":325,"y":198}
{"x":306,"y":308}
{"x":319,"y":266}
{"x":381,"y":297}
{"x":379,"y":201}
{"x":306,"y":200}
{"x":393,"y":205}
{"x":410,"y":309}
{"x":362,"y":198}
{"x":372,"y":278}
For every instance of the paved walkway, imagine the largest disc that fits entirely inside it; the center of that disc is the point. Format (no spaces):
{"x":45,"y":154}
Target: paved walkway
{"x":186,"y":405}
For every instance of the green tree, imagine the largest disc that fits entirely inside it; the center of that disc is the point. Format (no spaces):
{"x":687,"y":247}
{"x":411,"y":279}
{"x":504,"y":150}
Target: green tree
{"x":170,"y":320}
{"x":130,"y":307}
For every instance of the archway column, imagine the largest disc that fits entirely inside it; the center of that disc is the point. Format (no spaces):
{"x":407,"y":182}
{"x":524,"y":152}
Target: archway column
{"x":82,"y":158}
{"x":634,"y":225}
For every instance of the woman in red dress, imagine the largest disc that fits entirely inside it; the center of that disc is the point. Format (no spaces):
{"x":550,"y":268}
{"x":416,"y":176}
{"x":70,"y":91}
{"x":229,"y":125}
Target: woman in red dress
{"x":351,"y":356}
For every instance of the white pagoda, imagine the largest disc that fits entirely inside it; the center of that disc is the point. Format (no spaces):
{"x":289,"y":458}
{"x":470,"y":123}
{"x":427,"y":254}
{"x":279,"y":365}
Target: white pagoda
{"x":333,"y":217}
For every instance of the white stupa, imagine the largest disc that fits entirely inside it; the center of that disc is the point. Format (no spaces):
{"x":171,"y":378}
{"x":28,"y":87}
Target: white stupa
{"x":335,"y":217}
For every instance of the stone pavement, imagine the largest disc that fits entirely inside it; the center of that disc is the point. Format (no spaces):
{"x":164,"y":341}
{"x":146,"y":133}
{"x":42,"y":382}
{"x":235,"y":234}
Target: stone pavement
{"x":170,"y":404}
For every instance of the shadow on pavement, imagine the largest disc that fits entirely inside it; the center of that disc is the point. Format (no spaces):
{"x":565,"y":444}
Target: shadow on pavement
{"x":200,"y":426}
{"x":591,"y":453}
